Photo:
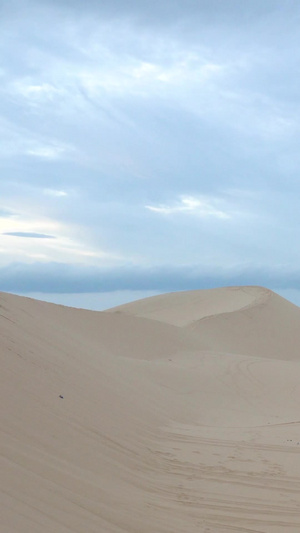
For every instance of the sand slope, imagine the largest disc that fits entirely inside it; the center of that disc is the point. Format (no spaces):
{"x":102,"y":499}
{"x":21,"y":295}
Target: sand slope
{"x":179,"y":413}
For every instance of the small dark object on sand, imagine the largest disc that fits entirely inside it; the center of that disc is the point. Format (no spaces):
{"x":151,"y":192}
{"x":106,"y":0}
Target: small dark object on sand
{"x":61,"y":396}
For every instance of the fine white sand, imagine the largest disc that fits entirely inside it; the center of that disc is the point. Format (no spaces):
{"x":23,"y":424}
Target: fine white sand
{"x":180,"y":413}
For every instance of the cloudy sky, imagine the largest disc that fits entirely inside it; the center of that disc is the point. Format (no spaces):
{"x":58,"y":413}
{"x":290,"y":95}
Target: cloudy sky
{"x":148,"y":147}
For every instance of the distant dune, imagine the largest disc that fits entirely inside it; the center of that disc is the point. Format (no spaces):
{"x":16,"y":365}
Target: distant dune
{"x":241,"y":320}
{"x":177,"y":413}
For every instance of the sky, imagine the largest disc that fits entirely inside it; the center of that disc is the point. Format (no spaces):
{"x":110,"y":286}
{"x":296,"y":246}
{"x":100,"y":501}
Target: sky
{"x":148,"y":147}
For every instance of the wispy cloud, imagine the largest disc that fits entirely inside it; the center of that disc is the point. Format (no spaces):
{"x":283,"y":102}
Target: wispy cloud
{"x":38,"y":93}
{"x":6,"y":213}
{"x":55,"y":193}
{"x":133,"y":132}
{"x":46,"y":151}
{"x":18,"y":139}
{"x":199,"y":206}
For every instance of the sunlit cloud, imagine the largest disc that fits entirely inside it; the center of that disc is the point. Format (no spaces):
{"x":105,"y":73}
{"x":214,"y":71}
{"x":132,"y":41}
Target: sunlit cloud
{"x":27,"y":237}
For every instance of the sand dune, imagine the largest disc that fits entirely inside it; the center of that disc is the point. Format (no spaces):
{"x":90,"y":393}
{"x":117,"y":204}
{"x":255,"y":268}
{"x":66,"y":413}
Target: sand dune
{"x":180,"y":413}
{"x":241,"y":320}
{"x":185,"y":307}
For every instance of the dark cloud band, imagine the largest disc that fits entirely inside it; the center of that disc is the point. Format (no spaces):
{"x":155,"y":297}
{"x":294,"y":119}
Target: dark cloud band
{"x":28,"y":235}
{"x":65,"y":279}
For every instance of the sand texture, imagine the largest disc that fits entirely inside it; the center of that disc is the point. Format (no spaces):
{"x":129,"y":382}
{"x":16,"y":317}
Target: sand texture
{"x":178,"y":413}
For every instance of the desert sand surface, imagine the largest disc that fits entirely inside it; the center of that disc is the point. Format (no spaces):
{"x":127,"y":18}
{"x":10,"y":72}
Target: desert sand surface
{"x":177,"y":413}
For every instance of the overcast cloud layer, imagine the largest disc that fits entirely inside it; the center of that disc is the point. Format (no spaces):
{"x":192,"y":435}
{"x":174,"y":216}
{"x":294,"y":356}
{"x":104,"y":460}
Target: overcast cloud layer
{"x":149,"y":146}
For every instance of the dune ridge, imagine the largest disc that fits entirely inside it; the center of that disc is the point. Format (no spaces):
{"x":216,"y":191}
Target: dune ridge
{"x":241,"y":320}
{"x":185,"y":307}
{"x":175,"y":413}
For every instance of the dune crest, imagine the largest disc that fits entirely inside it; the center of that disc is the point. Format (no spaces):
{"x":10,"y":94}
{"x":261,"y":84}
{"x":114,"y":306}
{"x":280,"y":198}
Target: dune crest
{"x":240,"y":320}
{"x":176,"y":413}
{"x":184,"y":307}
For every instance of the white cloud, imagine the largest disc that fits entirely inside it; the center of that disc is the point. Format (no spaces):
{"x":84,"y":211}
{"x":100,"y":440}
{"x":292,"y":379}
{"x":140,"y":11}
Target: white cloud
{"x":17,"y":139}
{"x":55,"y":193}
{"x":54,"y":151}
{"x":39,"y":92}
{"x":140,"y":77}
{"x":179,"y":70}
{"x":201,"y":206}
